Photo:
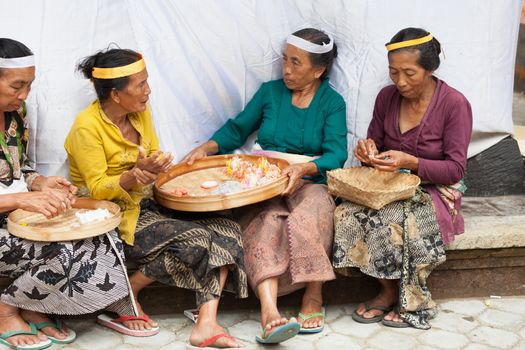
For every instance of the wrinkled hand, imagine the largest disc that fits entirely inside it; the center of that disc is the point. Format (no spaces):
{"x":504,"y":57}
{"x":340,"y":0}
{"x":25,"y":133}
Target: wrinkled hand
{"x":365,"y":151}
{"x":295,"y":173}
{"x":43,"y":183}
{"x":143,"y":177}
{"x":156,"y":163}
{"x":394,"y":160}
{"x":202,"y":151}
{"x":49,"y":201}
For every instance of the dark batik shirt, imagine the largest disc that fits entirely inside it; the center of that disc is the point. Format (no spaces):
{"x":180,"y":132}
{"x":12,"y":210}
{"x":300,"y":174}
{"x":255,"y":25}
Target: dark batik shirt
{"x":14,"y":162}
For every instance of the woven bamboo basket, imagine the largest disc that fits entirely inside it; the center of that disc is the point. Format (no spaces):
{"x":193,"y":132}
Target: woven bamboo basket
{"x":370,"y":187}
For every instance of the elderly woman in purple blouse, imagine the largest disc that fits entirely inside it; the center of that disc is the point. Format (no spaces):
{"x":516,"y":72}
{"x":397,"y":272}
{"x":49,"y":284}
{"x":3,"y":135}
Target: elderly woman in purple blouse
{"x":421,"y":125}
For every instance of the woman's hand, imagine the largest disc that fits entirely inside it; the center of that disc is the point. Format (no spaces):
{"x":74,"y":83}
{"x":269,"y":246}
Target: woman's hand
{"x":136,"y":176}
{"x":365,"y":151}
{"x":204,"y":150}
{"x":156,"y":163}
{"x":295,"y":173}
{"x":49,"y":201}
{"x":395,"y":160}
{"x":42,"y":183}
{"x":143,"y":177}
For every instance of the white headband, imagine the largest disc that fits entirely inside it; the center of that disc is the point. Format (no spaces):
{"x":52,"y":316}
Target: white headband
{"x":309,"y":46}
{"x":17,"y":62}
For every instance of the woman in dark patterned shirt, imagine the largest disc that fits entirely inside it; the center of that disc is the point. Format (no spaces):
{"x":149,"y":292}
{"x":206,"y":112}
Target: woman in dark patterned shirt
{"x":63,"y":278}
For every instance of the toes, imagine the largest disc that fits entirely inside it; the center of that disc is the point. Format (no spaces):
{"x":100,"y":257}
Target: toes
{"x":361,"y":309}
{"x":234,"y":343}
{"x":389,"y":316}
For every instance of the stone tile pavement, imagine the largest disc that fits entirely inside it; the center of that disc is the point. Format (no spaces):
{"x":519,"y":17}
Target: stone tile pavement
{"x":465,"y":324}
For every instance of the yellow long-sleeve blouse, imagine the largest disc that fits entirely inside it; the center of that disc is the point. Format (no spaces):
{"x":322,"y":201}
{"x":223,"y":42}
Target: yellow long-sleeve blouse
{"x":98,"y":154}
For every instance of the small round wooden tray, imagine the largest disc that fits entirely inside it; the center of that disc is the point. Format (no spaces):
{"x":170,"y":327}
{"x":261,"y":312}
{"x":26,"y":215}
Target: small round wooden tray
{"x":65,"y":227}
{"x":200,"y":201}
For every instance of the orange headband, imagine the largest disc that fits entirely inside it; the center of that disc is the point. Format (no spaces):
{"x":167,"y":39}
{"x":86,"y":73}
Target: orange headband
{"x":119,"y":72}
{"x":408,"y":43}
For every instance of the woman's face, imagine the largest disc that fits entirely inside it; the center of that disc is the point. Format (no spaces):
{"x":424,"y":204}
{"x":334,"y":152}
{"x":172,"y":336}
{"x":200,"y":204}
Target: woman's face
{"x":15,"y":84}
{"x":410,"y":78}
{"x":298,"y":71}
{"x":134,"y":97}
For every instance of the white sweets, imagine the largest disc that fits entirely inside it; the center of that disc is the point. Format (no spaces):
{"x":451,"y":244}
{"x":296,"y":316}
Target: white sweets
{"x":89,"y":216}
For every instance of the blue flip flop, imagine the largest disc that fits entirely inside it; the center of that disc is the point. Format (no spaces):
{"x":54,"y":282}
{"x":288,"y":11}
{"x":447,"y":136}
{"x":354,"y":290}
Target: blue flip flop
{"x":304,"y":317}
{"x":279,"y":334}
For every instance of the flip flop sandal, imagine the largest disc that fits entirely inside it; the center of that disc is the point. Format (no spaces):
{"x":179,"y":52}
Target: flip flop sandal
{"x":57,"y":324}
{"x":192,"y":314}
{"x":44,"y":344}
{"x":319,"y":329}
{"x":211,"y":340}
{"x":279,"y":334}
{"x":359,"y":318}
{"x":394,"y":324}
{"x":117,"y":325}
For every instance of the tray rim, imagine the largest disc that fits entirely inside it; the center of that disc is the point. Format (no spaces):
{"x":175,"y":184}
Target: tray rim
{"x":218,"y":201}
{"x":40,"y":234}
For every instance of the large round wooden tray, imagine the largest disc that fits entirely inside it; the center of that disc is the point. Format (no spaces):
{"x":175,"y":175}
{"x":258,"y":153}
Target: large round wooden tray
{"x":65,"y":227}
{"x":201,"y":202}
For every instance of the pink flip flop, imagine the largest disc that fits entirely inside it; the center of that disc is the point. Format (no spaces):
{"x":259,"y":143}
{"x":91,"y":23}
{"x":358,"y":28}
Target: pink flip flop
{"x":117,"y":325}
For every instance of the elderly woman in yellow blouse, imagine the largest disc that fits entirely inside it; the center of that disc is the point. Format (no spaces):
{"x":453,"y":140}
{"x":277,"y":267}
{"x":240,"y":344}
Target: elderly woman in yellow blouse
{"x":114,"y":155}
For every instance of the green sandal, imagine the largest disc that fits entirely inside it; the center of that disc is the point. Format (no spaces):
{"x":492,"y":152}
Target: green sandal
{"x":304,"y":317}
{"x":44,"y":344}
{"x":57,"y":324}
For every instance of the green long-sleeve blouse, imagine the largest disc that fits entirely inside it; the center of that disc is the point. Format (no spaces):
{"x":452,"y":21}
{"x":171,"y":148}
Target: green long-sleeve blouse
{"x":319,"y":130}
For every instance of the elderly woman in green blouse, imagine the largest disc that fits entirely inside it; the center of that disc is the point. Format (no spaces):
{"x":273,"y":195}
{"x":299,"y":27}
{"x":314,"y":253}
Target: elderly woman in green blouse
{"x":287,"y":240}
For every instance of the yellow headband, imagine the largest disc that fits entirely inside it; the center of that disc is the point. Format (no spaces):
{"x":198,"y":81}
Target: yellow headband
{"x":119,"y":72}
{"x":408,"y":43}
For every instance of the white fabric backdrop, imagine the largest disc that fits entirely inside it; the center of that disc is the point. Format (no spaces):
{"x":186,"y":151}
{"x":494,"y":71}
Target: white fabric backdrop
{"x":206,"y":58}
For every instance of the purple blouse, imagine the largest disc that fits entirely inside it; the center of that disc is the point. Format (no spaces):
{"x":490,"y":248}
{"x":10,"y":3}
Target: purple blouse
{"x":440,"y":142}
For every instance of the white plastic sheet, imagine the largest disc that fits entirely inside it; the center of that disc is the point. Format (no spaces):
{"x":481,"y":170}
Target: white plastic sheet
{"x":207,"y":58}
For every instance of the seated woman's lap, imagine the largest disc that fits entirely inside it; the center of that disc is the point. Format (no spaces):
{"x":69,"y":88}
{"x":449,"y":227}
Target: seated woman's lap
{"x":288,"y":236}
{"x":187,"y":254}
{"x":372,"y":240}
{"x":73,"y":277}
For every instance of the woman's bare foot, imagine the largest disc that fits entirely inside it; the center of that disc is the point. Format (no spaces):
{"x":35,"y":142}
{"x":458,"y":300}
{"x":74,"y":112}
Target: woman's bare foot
{"x":272,"y":320}
{"x":12,"y":321}
{"x":37,"y":317}
{"x":138,"y":281}
{"x":205,"y":330}
{"x":139,"y":325}
{"x":394,"y":316}
{"x":312,"y":303}
{"x":388,"y":296}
